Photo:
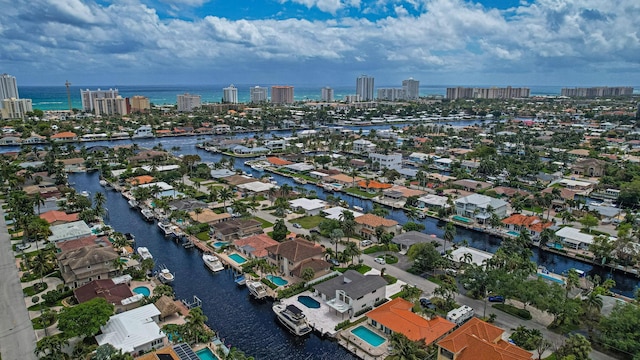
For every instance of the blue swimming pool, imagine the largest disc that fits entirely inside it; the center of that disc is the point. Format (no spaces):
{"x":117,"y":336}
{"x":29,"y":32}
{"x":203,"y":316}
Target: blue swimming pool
{"x":462,"y":219}
{"x":238,"y":258}
{"x":308,"y":302}
{"x":367,"y":335}
{"x":219,"y":244}
{"x":206,"y":354}
{"x":547,"y":277}
{"x":277,"y":280}
{"x":513,"y":233}
{"x":142,"y":290}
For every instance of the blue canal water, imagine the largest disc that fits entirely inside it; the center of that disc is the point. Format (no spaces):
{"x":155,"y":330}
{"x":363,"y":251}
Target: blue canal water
{"x":241,"y":321}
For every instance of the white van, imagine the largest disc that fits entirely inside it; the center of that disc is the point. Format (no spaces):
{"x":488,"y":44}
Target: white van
{"x":460,"y":315}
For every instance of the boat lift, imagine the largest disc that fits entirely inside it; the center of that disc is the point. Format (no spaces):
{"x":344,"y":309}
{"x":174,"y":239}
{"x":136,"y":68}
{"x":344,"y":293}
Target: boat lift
{"x":194,"y":304}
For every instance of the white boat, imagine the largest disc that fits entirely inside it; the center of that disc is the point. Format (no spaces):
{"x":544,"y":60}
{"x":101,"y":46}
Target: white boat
{"x":144,"y":253}
{"x":299,"y":180}
{"x":257,"y":289}
{"x":257,"y":167}
{"x":213,"y":263}
{"x":85,"y":193}
{"x":103,"y":182}
{"x":144,"y":131}
{"x":165,"y":276}
{"x":240,"y":280}
{"x":292,"y":318}
{"x":148,"y":214}
{"x":132,"y":203}
{"x":247,"y":174}
{"x":165,"y":226}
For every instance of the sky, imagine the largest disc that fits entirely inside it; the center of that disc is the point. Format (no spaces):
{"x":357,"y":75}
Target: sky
{"x":321,"y":42}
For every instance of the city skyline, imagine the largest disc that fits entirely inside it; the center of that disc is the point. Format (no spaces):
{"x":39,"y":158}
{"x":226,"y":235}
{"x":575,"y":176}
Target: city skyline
{"x":321,"y":42}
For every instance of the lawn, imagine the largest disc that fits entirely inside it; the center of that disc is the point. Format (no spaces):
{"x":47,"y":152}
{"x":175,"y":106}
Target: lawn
{"x":359,"y":192}
{"x":264,"y":223}
{"x":309,"y":222}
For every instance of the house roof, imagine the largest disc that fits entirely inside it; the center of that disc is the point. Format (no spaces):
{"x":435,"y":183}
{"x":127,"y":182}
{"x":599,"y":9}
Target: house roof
{"x":397,"y":316}
{"x":481,"y":201}
{"x":345,"y":178}
{"x":405,"y":191}
{"x":296,"y":250}
{"x":90,"y":240}
{"x":479,"y":340}
{"x":209,"y":216}
{"x":64,"y":135}
{"x":140,"y":180}
{"x":532,"y":223}
{"x":86,"y":256}
{"x":278,"y":161}
{"x":72,"y":230}
{"x":373,"y":184}
{"x":104,"y":288}
{"x":55,"y":216}
{"x":412,"y":237}
{"x":352,"y":283}
{"x":316,"y":265}
{"x":574,"y":236}
{"x":256,"y":245}
{"x":336,"y":212}
{"x":375,"y":221}
{"x":131,"y":329}
{"x":308,"y":204}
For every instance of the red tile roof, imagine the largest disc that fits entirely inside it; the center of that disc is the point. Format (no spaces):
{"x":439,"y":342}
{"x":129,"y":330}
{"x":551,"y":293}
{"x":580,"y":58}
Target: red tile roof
{"x":277,"y":161}
{"x":374,"y":221}
{"x":105,"y":289}
{"x":259,"y":242}
{"x":64,"y":135}
{"x":372,"y":184}
{"x":55,"y":215}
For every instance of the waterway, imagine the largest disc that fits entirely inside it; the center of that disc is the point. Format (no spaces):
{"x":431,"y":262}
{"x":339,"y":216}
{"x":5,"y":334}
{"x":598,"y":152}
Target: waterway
{"x":240,"y":320}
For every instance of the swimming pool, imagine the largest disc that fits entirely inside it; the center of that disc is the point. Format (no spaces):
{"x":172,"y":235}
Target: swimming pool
{"x":219,"y":244}
{"x":237,"y":258}
{"x":277,"y":280}
{"x":547,"y":277}
{"x":142,"y":290}
{"x":308,"y":302}
{"x":513,"y":233}
{"x":367,"y":335}
{"x":462,"y":219}
{"x":206,"y":354}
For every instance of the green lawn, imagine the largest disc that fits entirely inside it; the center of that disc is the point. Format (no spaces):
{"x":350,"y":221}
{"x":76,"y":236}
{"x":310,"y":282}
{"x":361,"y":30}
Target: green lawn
{"x":360,"y":192}
{"x":264,"y":223}
{"x":309,"y":222}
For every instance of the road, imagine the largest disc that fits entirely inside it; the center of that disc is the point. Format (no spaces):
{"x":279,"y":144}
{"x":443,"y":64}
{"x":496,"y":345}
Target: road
{"x":17,"y":338}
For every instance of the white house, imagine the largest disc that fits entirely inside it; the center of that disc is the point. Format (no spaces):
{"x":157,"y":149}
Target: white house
{"x":391,"y":161}
{"x":443,"y":164}
{"x":573,"y":238}
{"x":362,"y":146}
{"x":352,"y":292}
{"x":335,"y":212}
{"x":475,"y":206}
{"x":135,"y":331}
{"x":431,"y":201}
{"x":310,"y":206}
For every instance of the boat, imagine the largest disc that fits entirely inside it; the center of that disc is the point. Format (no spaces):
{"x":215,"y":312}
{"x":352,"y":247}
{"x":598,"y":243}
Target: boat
{"x":213,"y":263}
{"x":103,"y":182}
{"x":85,"y":193}
{"x":165,"y":276}
{"x":132,"y":203}
{"x":165,"y":226}
{"x":257,"y":289}
{"x":247,"y":174}
{"x":131,"y":239}
{"x":257,"y":167}
{"x":148,"y":214}
{"x":144,"y":131}
{"x":240,"y":280}
{"x":144,"y":253}
{"x":299,"y":180}
{"x":292,"y":318}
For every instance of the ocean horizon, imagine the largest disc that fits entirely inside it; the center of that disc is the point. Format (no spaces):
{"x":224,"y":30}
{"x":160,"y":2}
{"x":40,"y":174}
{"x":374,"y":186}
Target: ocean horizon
{"x":55,"y":97}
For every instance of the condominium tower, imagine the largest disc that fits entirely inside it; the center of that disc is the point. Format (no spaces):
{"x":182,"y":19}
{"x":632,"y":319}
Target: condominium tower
{"x":411,"y":88}
{"x":111,"y":106}
{"x":597,"y":91}
{"x":8,"y":87}
{"x":188,"y":102}
{"x":230,"y":95}
{"x":327,"y":94}
{"x":258,"y":94}
{"x":282,"y":94}
{"x":89,"y":96}
{"x":364,"y":87}
{"x":140,"y":104}
{"x":487,"y":93}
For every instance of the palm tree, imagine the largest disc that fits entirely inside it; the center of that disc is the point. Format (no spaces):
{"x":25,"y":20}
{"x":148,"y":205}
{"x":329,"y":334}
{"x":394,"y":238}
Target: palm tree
{"x":592,"y":304}
{"x":411,"y":292}
{"x":38,"y":201}
{"x":351,"y":250}
{"x":225,"y":194}
{"x":285,"y":191}
{"x":51,"y":347}
{"x":118,"y":265}
{"x":449,"y":234}
{"x":99,"y":200}
{"x":335,"y":237}
{"x":405,"y":349}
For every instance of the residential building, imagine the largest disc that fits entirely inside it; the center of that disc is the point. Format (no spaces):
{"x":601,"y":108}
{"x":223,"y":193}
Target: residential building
{"x":410,"y":238}
{"x":391,"y":94}
{"x":110,"y":106}
{"x":140,"y":104}
{"x":210,"y":217}
{"x":363,"y":146}
{"x":258,"y":94}
{"x":477,"y":339}
{"x":230,"y":95}
{"x":255,"y":246}
{"x":112,"y":290}
{"x":69,"y":231}
{"x":83,"y":265}
{"x":597,"y":91}
{"x":574,"y":238}
{"x":364,"y":88}
{"x":14,"y":108}
{"x":89,"y":96}
{"x":282,"y":95}
{"x":433,"y":202}
{"x":384,"y":161}
{"x":589,"y":167}
{"x":366,"y":225}
{"x":135,"y":331}
{"x":352,"y":292}
{"x":310,"y":207}
{"x":486,"y":93}
{"x":397,"y":316}
{"x":55,"y":217}
{"x":188,"y":102}
{"x":480,"y":207}
{"x":326,"y":94}
{"x":235,"y":229}
{"x":411,"y":88}
{"x":533,"y":224}
{"x":336,"y":213}
{"x":8,"y":87}
{"x":293,"y":256}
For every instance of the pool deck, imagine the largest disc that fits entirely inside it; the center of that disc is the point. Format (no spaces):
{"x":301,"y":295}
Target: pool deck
{"x":323,"y":319}
{"x":226,"y":260}
{"x":361,"y":348}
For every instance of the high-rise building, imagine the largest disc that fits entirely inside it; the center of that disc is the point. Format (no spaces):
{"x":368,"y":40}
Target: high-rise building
{"x":392,"y":94}
{"x":13,"y":108}
{"x":110,"y":106}
{"x":411,"y":88}
{"x":597,"y":91}
{"x":258,"y":94}
{"x":364,"y":87}
{"x":8,"y":87}
{"x":230,"y":95}
{"x":282,"y":94}
{"x":88,"y":97}
{"x":327,"y":94}
{"x":188,"y":102}
{"x":487,"y":93}
{"x":140,"y":104}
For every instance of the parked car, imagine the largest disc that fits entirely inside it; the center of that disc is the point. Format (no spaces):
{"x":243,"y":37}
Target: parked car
{"x":426,"y":303}
{"x":366,"y":242}
{"x":334,"y":262}
{"x":297,"y":226}
{"x":23,"y":247}
{"x":380,"y":260}
{"x":496,"y":298}
{"x":314,"y":231}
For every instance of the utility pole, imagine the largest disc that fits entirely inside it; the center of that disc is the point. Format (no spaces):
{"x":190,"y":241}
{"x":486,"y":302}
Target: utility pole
{"x":68,"y":84}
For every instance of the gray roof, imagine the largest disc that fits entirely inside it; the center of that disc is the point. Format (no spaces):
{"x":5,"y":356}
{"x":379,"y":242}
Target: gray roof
{"x":187,"y":204}
{"x":69,"y":231}
{"x":352,"y":283}
{"x":221,"y":173}
{"x":412,"y":237}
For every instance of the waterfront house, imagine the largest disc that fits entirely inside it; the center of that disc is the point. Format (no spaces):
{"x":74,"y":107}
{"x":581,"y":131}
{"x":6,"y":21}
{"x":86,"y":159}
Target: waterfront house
{"x":589,"y":167}
{"x":73,"y":165}
{"x":256,"y":187}
{"x":64,"y":136}
{"x":579,"y":187}
{"x":276,"y":145}
{"x":352,"y":292}
{"x":433,"y":202}
{"x":85,"y":264}
{"x":468,"y":255}
{"x":410,"y":238}
{"x":476,"y":206}
{"x":135,"y":331}
{"x":386,"y":161}
{"x":148,"y":155}
{"x":255,"y":246}
{"x":55,"y":217}
{"x":366,"y":225}
{"x":108,"y":289}
{"x":299,"y":167}
{"x":10,"y":140}
{"x":291,"y":256}
{"x":186,"y":204}
{"x":236,"y":229}
{"x":471,"y":185}
{"x":345,"y":180}
{"x":221,"y":173}
{"x":442,"y":164}
{"x":573,"y":238}
{"x":243,"y":150}
{"x":69,"y":231}
{"x":140,"y":180}
{"x":363,"y":146}
{"x":309,"y":206}
{"x":335,"y":213}
{"x":210,"y":217}
{"x":397,"y":316}
{"x":278,"y":162}
{"x":518,"y":222}
{"x":477,"y":339}
{"x":34,"y":139}
{"x":373,"y":186}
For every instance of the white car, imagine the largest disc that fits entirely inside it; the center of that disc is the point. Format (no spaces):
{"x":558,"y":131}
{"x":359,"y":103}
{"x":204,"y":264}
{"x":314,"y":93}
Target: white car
{"x":365,"y":243}
{"x":380,"y":260}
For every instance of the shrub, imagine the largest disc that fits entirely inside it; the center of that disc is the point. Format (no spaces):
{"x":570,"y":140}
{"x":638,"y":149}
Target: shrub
{"x":347,"y":323}
{"x":269,"y":283}
{"x":375,"y":249}
{"x":512,"y":310}
{"x":292,"y":290}
{"x":390,"y":279}
{"x":362,"y":311}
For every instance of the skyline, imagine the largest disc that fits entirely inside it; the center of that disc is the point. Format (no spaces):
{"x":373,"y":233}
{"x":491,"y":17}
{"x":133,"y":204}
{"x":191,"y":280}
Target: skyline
{"x":321,"y":42}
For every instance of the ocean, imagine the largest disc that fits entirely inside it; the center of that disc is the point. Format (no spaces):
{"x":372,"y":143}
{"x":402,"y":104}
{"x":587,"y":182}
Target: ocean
{"x":55,"y":97}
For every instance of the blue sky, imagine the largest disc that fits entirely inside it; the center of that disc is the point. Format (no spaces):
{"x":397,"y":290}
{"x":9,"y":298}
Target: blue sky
{"x":321,"y":42}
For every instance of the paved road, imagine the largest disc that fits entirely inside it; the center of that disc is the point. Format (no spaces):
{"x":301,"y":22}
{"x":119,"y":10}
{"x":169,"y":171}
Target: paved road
{"x":17,"y":338}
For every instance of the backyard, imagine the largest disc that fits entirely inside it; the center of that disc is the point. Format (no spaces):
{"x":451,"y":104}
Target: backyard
{"x":309,"y":222}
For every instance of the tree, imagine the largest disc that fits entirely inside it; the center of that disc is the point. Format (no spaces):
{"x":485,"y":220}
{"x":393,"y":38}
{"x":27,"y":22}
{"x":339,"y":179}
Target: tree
{"x":449,"y":234}
{"x":308,"y":274}
{"x":577,"y":346}
{"x":108,"y":352}
{"x":621,"y":329}
{"x":51,"y":347}
{"x":85,"y":319}
{"x":335,"y":236}
{"x":425,"y":257}
{"x":589,"y":221}
{"x":99,"y":200}
{"x":280,"y":230}
{"x":405,"y":349}
{"x":225,"y":194}
{"x":412,"y":226}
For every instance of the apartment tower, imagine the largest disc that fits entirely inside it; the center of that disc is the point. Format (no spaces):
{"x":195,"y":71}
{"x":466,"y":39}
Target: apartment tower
{"x":364,"y":87}
{"x":411,"y":88}
{"x":258,"y":94}
{"x":282,"y":94}
{"x":327,"y":94}
{"x":230,"y":95}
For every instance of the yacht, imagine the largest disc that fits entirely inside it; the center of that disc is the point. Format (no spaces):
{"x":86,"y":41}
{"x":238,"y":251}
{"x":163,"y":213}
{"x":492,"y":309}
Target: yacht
{"x":257,"y":167}
{"x":144,"y":253}
{"x":103,"y":182}
{"x":257,"y":289}
{"x":299,"y":180}
{"x":143,"y":131}
{"x":165,"y":276}
{"x":240,"y":280}
{"x":165,"y":226}
{"x":132,"y":203}
{"x":213,"y":263}
{"x":148,"y":214}
{"x":292,"y":318}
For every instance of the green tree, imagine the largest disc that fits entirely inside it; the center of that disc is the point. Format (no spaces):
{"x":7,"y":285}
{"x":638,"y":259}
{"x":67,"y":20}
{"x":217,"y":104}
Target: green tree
{"x":308,"y":274}
{"x":108,"y":352}
{"x":280,"y":230}
{"x":51,"y":347}
{"x":449,"y":234}
{"x":412,"y":226}
{"x":425,"y":257}
{"x":589,"y":221}
{"x":621,"y":329}
{"x":577,"y":346}
{"x":85,"y":319}
{"x":405,"y":349}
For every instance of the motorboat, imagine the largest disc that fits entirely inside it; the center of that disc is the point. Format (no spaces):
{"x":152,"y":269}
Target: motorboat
{"x":257,"y":167}
{"x":85,"y":193}
{"x":213,"y":263}
{"x":144,"y":131}
{"x":103,"y":182}
{"x":147,"y":214}
{"x":247,"y":174}
{"x":292,"y":318}
{"x":132,"y":203}
{"x":257,"y":289}
{"x":165,"y":276}
{"x":166,"y":227}
{"x":299,"y":180}
{"x":144,"y":253}
{"x":240,"y":280}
